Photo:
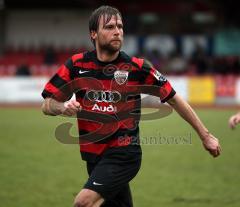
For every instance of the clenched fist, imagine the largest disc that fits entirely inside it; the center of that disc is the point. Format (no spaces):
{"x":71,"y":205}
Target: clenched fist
{"x":211,"y":144}
{"x":234,"y":120}
{"x":70,"y":108}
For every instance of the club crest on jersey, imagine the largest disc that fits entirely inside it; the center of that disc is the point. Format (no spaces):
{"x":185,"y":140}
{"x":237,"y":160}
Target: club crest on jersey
{"x":121,"y":76}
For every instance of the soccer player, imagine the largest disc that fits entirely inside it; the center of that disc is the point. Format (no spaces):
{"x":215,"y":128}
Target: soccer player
{"x":108,"y":83}
{"x":234,"y":120}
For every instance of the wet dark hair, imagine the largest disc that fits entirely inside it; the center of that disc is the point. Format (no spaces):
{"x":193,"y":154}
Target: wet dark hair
{"x":105,"y":10}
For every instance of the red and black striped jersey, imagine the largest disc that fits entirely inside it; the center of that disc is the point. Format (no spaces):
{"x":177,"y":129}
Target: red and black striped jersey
{"x":109,"y":93}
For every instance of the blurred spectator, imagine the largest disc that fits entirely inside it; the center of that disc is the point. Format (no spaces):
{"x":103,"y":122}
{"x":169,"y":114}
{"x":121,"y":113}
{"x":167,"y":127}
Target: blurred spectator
{"x":236,"y":66}
{"x":200,"y":60}
{"x":177,"y":65}
{"x":233,"y":65}
{"x":50,"y":56}
{"x":226,"y":65}
{"x":155,"y":58}
{"x":23,"y":70}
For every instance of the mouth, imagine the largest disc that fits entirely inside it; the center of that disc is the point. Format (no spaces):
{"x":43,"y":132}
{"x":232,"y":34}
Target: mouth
{"x":116,"y":40}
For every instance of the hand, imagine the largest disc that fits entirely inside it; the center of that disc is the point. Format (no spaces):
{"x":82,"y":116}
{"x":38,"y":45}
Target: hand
{"x":212,"y":145}
{"x":70,"y":108}
{"x":234,"y":120}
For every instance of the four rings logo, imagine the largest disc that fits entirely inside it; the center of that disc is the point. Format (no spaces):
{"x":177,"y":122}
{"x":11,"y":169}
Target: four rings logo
{"x":104,"y":96}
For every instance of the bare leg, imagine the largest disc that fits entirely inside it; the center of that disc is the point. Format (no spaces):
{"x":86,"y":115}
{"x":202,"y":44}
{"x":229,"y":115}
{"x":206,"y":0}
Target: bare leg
{"x":88,"y":198}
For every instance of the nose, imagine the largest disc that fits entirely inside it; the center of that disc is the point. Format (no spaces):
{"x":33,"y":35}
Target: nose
{"x":117,"y":31}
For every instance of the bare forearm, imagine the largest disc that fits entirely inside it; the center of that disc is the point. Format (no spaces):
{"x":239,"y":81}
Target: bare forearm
{"x":187,"y":113}
{"x":209,"y":142}
{"x":52,"y":107}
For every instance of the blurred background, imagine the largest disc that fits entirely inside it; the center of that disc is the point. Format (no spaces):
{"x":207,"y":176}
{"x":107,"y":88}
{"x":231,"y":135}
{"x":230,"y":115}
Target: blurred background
{"x":196,"y":44}
{"x":193,"y":41}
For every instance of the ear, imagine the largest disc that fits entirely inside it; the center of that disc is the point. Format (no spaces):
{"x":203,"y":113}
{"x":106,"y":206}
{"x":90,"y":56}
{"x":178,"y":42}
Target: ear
{"x":93,"y":35}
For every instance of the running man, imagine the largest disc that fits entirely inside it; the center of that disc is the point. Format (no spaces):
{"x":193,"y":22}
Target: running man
{"x":108,"y":83}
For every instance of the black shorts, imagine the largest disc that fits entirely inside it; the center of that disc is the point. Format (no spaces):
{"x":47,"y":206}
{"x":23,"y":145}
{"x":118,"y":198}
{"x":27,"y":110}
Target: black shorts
{"x":110,"y":175}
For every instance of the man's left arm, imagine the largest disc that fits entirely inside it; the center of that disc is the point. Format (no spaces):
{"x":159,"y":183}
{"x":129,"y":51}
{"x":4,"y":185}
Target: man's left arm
{"x":210,"y":142}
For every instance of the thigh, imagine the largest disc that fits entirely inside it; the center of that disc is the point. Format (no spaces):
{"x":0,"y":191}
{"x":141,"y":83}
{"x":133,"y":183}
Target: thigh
{"x":113,"y":173}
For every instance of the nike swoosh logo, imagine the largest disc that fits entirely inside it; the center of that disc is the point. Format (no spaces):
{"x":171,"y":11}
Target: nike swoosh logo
{"x":81,"y":72}
{"x":94,"y":183}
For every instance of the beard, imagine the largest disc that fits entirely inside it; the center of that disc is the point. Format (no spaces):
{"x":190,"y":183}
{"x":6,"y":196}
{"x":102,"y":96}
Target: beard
{"x":110,"y":48}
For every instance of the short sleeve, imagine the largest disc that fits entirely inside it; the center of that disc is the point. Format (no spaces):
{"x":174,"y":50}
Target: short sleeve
{"x":161,"y":87}
{"x":59,"y":86}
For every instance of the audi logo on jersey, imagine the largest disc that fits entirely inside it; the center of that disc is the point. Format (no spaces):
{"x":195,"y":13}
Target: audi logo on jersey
{"x":103,"y":96}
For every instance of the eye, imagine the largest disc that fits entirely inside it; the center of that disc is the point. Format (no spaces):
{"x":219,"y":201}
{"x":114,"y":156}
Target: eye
{"x":120,"y":26}
{"x":109,"y":26}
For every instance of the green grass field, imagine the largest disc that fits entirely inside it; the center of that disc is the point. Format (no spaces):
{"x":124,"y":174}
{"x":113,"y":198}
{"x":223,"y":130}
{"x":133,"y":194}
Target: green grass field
{"x":36,"y":170}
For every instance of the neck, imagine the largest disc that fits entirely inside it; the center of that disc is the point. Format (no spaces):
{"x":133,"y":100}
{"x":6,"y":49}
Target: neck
{"x":106,"y":56}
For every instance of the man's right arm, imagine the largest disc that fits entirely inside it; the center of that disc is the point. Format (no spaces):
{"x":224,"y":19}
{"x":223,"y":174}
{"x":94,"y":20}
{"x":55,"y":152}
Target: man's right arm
{"x":53,"y":108}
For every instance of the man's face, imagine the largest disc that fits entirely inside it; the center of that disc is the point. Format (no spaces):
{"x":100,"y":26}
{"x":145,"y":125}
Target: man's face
{"x":109,"y":36}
